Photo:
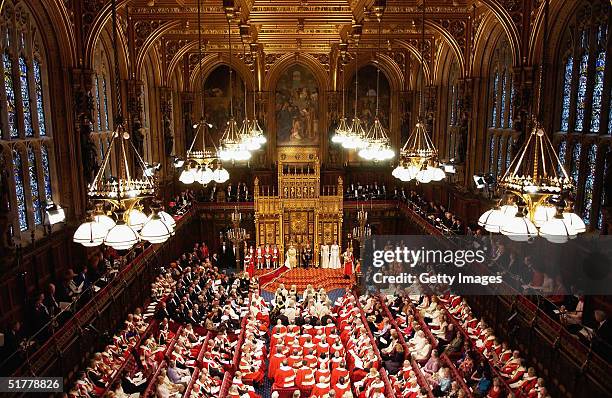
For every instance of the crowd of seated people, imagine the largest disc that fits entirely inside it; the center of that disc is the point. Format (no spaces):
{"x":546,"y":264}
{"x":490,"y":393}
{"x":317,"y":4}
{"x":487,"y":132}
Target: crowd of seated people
{"x":362,"y":358}
{"x":50,"y":308}
{"x":507,"y":363}
{"x":181,"y":203}
{"x":232,"y":192}
{"x":357,"y":191}
{"x":253,"y":352}
{"x":306,"y":353}
{"x":104,"y":365}
{"x":437,"y":214}
{"x":202,"y":295}
{"x":557,"y":296}
{"x":483,"y":361}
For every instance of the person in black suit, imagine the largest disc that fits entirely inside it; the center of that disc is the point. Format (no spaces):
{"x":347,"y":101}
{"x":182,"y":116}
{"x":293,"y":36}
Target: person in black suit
{"x":602,"y":338}
{"x":50,"y":302}
{"x":162,"y":312}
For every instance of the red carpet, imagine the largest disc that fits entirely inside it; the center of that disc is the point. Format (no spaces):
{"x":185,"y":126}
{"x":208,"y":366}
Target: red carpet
{"x":328,"y":279}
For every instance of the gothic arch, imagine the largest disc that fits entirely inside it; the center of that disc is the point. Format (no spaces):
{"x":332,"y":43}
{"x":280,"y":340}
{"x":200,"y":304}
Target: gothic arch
{"x":287,"y":60}
{"x":415,"y":51}
{"x":507,"y":25}
{"x":56,"y":24}
{"x":451,"y":42}
{"x":103,"y":17}
{"x":176,"y":58}
{"x":388,"y":67}
{"x":211,"y":62}
{"x":487,"y":38}
{"x":152,"y":38}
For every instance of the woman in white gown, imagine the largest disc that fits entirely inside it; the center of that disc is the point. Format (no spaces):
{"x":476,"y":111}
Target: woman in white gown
{"x":291,"y":257}
{"x":325,"y":256}
{"x":334,"y":256}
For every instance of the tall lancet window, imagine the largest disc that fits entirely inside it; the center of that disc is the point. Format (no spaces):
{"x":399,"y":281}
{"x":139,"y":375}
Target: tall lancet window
{"x":26,"y":143}
{"x":583,"y":108}
{"x":501,"y":109}
{"x":102,"y":122}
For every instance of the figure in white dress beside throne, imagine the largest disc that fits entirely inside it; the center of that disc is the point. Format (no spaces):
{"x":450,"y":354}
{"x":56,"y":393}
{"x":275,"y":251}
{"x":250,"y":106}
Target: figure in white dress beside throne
{"x":334,"y":256}
{"x":291,"y":257}
{"x":325,"y":256}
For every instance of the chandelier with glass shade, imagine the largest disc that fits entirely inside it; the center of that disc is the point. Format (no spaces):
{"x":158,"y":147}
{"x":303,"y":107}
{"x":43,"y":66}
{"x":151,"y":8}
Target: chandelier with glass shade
{"x":340,"y":134}
{"x":123,"y":195}
{"x":237,"y":143}
{"x":352,"y":137}
{"x":418,"y":158}
{"x":537,"y":190}
{"x":201,"y":166}
{"x":536,"y":196}
{"x":376,"y":145}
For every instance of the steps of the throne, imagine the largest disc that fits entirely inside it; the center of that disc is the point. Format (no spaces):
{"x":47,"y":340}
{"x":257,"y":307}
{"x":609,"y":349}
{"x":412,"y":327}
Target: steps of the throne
{"x":328,"y":279}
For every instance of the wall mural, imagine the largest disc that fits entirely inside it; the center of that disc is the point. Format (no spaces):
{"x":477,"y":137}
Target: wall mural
{"x":217,"y":101}
{"x":297,"y":107}
{"x":366,"y":97}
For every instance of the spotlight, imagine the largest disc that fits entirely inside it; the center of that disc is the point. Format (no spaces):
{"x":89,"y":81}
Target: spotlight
{"x":54,"y":214}
{"x":479,"y":181}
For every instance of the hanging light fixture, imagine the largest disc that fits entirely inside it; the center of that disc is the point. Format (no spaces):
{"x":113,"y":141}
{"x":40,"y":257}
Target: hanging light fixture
{"x":355,"y":136}
{"x":123,"y":193}
{"x":232,"y":146}
{"x":156,"y":229}
{"x":419,"y":157}
{"x":536,"y":185}
{"x":199,"y":164}
{"x":376,"y":144}
{"x":340,"y":134}
{"x":251,"y":132}
{"x":90,"y":233}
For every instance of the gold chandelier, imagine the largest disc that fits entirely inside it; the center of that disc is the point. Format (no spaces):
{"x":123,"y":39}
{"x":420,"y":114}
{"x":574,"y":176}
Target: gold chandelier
{"x":418,"y":158}
{"x":123,"y":193}
{"x":537,"y":189}
{"x":201,"y":166}
{"x":536,"y":198}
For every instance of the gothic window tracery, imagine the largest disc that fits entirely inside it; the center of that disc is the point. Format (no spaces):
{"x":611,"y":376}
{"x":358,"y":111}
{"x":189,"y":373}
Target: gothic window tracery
{"x":26,"y":138}
{"x":501,"y":109}
{"x":583,"y":104}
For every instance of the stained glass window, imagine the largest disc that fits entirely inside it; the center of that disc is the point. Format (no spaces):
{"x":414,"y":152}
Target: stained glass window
{"x":9,"y":87}
{"x":602,"y":200}
{"x":562,"y":152}
{"x":610,"y":121}
{"x":583,"y":78}
{"x":511,"y":111}
{"x":502,"y":111}
{"x":25,"y":97}
{"x":36,"y":202}
{"x":44,"y":155}
{"x":40,"y":108}
{"x":587,"y":202}
{"x":23,"y":113}
{"x":567,"y":93}
{"x":98,"y":108}
{"x":19,"y":191}
{"x":491,"y":153}
{"x":576,"y":162}
{"x":500,"y":152}
{"x":494,"y":110}
{"x":600,"y":66}
{"x":106,"y":124}
{"x":509,"y":153}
